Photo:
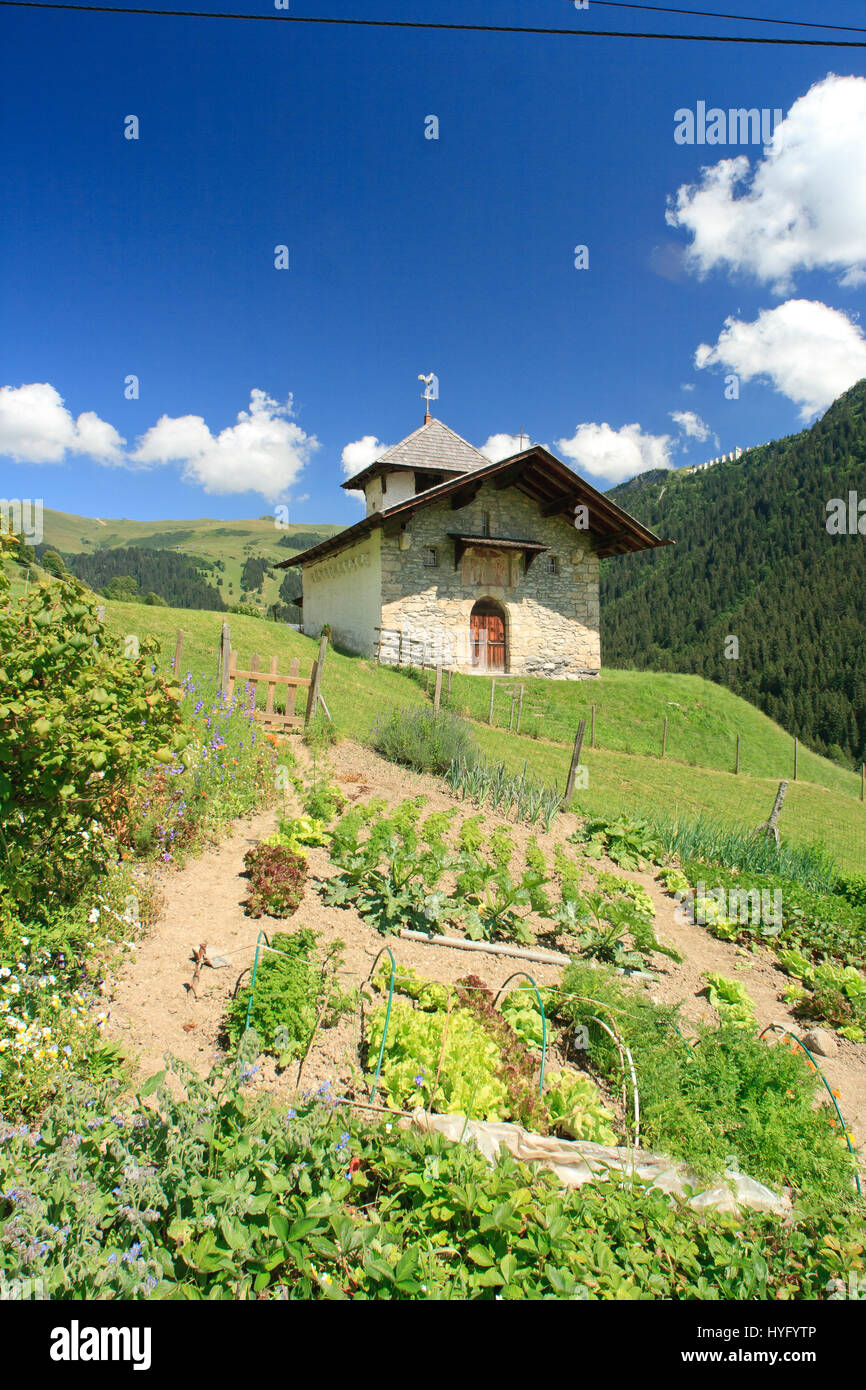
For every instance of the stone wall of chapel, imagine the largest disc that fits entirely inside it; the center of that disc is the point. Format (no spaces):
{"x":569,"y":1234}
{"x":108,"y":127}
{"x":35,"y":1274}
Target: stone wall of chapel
{"x":345,"y":590}
{"x":552,"y":620}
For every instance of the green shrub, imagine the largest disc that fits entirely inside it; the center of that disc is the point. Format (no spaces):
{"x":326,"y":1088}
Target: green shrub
{"x":291,"y":987}
{"x":422,"y":740}
{"x":194,"y":1191}
{"x":726,"y":1096}
{"x":852,"y":887}
{"x":80,"y":720}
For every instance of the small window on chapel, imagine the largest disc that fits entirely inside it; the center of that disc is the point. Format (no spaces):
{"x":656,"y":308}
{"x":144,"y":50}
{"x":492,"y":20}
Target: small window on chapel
{"x":553,"y":564}
{"x":431,"y":557}
{"x":485,"y":523}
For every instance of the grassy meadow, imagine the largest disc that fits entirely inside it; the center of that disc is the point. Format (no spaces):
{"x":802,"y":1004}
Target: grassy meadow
{"x":696,"y":777}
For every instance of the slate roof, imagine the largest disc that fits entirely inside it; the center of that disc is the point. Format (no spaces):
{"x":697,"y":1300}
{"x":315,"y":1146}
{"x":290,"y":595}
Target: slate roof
{"x":431,"y":447}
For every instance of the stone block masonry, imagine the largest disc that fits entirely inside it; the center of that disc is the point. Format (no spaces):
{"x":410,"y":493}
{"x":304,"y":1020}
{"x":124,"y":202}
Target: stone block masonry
{"x":551,"y":615}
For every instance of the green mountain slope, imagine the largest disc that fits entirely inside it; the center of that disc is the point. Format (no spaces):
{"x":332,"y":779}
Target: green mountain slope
{"x":228,"y":545}
{"x":753,"y":559}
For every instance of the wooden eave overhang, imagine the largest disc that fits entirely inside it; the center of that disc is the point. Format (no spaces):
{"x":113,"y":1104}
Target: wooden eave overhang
{"x":360,"y":480}
{"x":536,"y":473}
{"x":529,"y":549}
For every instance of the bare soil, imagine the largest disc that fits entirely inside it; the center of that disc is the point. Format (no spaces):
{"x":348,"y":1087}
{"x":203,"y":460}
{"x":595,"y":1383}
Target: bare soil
{"x":153,"y":1012}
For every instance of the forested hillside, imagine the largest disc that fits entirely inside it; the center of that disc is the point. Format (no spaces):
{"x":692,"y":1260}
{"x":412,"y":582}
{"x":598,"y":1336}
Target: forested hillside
{"x":175,"y":578}
{"x":754,"y":559}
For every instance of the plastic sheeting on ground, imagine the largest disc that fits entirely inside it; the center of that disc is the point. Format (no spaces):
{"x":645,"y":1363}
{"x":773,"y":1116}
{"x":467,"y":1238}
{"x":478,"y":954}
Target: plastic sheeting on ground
{"x":576,"y":1161}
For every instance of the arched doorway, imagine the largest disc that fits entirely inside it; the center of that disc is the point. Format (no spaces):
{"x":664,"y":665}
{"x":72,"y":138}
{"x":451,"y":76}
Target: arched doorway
{"x":487,"y":635}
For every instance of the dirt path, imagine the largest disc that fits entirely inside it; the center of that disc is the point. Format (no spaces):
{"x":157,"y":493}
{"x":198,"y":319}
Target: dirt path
{"x":152,"y":1012}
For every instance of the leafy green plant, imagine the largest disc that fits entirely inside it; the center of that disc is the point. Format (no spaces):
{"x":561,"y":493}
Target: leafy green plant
{"x":420,"y":1043}
{"x":277,"y":878}
{"x":390,"y":875}
{"x":724,"y":1095}
{"x":426,"y":993}
{"x":422,"y":740}
{"x":298,"y":834}
{"x":293,"y":988}
{"x":323,"y":800}
{"x":192,"y":1190}
{"x":732,"y":1000}
{"x":629,"y":843}
{"x":838,"y":996}
{"x":577,"y":1109}
{"x":673,"y":879}
{"x":80,"y":721}
{"x":492,"y":901}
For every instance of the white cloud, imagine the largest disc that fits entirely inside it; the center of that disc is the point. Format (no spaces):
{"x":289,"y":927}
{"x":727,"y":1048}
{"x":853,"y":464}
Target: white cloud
{"x":616,"y":455}
{"x":810,"y":352}
{"x":264,"y":452}
{"x":802,"y":207}
{"x":502,"y":446}
{"x":690,"y":424}
{"x":36,"y":427}
{"x":361,"y":453}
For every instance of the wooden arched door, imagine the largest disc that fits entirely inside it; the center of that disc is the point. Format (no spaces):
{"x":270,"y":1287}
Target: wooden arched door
{"x":487,"y":635}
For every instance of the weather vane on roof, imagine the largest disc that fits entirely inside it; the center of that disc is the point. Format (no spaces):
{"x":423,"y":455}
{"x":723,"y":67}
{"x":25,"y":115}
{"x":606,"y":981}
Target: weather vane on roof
{"x":430,"y":392}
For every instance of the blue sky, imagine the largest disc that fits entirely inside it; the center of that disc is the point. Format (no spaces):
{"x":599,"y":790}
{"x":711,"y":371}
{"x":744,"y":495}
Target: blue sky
{"x":155,"y":257}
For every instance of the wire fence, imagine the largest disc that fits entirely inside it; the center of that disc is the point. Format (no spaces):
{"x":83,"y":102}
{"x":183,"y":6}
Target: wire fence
{"x":522,"y":730}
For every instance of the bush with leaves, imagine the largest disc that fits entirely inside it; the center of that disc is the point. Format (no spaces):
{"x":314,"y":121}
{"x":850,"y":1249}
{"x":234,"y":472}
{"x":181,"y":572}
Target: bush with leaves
{"x":629,"y":843}
{"x":277,"y":878}
{"x":294,"y":986}
{"x":726,"y":1095}
{"x":79,"y":721}
{"x":423,"y":740}
{"x":196,"y":1191}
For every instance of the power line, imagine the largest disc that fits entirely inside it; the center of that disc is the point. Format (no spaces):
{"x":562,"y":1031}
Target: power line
{"x":419,"y":24}
{"x":719,"y":14}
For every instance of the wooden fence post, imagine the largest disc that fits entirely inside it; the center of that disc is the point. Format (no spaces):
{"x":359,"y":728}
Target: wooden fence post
{"x":492,"y":693}
{"x":437,"y":693}
{"x":272,"y":686}
{"x":772,"y":825}
{"x":737,"y":768}
{"x":665,"y":737}
{"x":178,"y":651}
{"x":225,"y":650}
{"x":520,"y":708}
{"x":316,"y":678}
{"x":795,"y":760}
{"x":575,"y":759}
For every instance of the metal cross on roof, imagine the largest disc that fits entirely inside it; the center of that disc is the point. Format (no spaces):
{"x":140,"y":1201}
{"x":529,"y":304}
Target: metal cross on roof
{"x":430,"y":392}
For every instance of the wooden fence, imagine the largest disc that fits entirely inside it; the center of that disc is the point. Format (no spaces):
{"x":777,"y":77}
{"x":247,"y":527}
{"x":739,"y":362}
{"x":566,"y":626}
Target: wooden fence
{"x":229,"y":674}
